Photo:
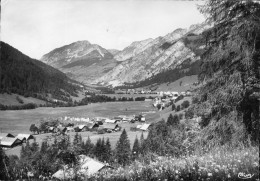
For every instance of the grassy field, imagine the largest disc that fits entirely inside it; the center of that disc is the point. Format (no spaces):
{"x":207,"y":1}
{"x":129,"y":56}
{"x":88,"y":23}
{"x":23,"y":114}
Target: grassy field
{"x":129,"y":95}
{"x":19,"y":121}
{"x":10,"y":99}
{"x":186,"y":84}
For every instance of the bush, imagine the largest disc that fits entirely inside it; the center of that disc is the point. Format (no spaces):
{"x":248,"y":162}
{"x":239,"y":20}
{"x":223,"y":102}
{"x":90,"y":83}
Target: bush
{"x":19,"y":100}
{"x":185,"y":104}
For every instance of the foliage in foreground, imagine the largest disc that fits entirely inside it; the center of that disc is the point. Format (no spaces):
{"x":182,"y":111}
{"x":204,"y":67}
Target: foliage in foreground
{"x":220,"y":164}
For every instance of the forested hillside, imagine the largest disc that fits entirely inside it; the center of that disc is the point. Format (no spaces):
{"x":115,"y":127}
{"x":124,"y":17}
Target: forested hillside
{"x":228,"y":99}
{"x":25,"y":76}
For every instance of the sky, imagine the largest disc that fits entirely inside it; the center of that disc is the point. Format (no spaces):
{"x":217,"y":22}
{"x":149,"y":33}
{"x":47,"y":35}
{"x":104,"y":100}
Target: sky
{"x":35,"y":27}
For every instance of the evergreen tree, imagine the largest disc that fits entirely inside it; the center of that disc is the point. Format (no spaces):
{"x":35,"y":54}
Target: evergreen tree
{"x":44,"y":147}
{"x":123,"y":150}
{"x":173,"y":107}
{"x":142,"y":144}
{"x":99,"y":149}
{"x":178,"y":108}
{"x":77,"y":140}
{"x":3,"y":170}
{"x":108,"y":151}
{"x":136,"y":149}
{"x":170,"y":120}
{"x":88,"y":147}
{"x":176,"y":120}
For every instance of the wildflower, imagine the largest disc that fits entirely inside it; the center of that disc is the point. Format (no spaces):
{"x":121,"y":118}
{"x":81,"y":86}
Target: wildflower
{"x":229,"y":176}
{"x":209,"y":174}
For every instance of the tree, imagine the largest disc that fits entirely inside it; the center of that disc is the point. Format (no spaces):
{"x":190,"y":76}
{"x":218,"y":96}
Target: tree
{"x":173,"y":107}
{"x":123,"y":150}
{"x":88,"y":147}
{"x":180,"y":116}
{"x":136,"y":149}
{"x":77,"y":140}
{"x":170,"y":120}
{"x":189,"y":114}
{"x":43,"y":126}
{"x":3,"y":170}
{"x":108,"y":151}
{"x":98,"y":149}
{"x":34,"y":129}
{"x":178,"y":108}
{"x":157,"y":137}
{"x":230,"y":68}
{"x":44,"y":147}
{"x":185,"y":104}
{"x":176,"y":120}
{"x":142,"y":144}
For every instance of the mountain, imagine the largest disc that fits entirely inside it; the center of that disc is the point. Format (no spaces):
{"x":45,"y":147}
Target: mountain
{"x":140,"y":61}
{"x":132,"y":50}
{"x":144,"y":59}
{"x":29,"y":77}
{"x":81,"y":60}
{"x":113,"y":51}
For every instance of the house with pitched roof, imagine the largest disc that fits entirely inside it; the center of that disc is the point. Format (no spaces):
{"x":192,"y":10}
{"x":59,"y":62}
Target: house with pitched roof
{"x":88,"y":167}
{"x":3,"y":135}
{"x":25,"y":137}
{"x":8,"y":142}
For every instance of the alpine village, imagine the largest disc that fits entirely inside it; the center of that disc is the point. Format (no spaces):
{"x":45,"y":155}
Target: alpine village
{"x":181,"y":106}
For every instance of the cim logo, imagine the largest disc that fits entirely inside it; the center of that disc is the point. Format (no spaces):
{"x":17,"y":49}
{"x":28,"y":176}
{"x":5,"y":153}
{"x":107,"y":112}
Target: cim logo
{"x":245,"y":176}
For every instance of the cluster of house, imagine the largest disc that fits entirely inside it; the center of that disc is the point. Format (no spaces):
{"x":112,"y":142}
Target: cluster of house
{"x":134,"y":91}
{"x":142,"y":91}
{"x":165,"y":98}
{"x":88,"y":167}
{"x":99,"y":124}
{"x":8,"y":140}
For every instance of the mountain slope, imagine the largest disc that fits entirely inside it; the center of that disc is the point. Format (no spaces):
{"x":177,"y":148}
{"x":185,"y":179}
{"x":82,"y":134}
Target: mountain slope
{"x":25,"y":76}
{"x":81,"y":60}
{"x":159,"y":55}
{"x":132,"y":50}
{"x":141,"y":60}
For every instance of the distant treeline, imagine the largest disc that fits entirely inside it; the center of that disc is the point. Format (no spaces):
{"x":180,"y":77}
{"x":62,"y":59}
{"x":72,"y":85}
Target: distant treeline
{"x":18,"y":107}
{"x":85,"y":101}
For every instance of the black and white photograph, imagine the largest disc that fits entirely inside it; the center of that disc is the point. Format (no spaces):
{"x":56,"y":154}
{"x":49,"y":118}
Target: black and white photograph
{"x":129,"y":90}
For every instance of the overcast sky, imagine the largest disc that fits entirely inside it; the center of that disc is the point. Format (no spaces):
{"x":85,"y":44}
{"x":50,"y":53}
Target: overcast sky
{"x":36,"y":27}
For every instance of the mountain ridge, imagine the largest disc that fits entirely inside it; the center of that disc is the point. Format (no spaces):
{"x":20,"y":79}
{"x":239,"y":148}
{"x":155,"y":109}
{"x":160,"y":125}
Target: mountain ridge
{"x":136,"y":62}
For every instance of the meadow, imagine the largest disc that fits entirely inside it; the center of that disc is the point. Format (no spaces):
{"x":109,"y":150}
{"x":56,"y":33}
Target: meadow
{"x":219,"y":164}
{"x":19,"y":121}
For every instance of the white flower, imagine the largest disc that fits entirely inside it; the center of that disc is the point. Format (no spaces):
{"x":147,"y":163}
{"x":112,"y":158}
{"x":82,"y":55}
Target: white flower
{"x":209,"y":174}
